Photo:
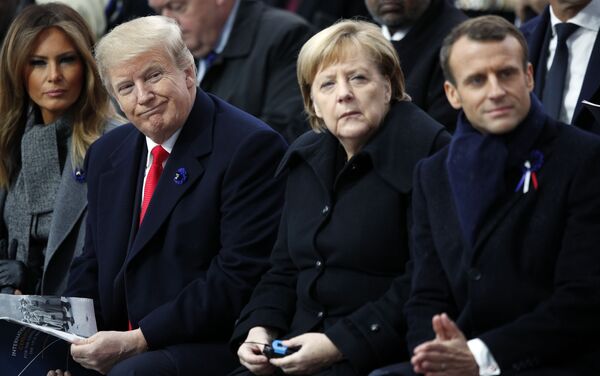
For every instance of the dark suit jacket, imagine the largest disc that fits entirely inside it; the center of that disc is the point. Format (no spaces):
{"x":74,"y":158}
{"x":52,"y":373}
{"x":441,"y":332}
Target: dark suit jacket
{"x":187,"y":272}
{"x":538,"y":34}
{"x":419,"y":57}
{"x":257,"y":69}
{"x":343,"y":242}
{"x":529,"y":286}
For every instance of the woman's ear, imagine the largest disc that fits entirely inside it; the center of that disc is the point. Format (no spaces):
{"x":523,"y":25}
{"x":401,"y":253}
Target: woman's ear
{"x":317,"y":110}
{"x":388,"y":91}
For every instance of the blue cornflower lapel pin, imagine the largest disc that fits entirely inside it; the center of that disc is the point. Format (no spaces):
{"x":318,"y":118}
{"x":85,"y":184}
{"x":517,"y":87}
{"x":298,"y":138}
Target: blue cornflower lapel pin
{"x":181,"y":176}
{"x":530,"y":168}
{"x":79,"y":175}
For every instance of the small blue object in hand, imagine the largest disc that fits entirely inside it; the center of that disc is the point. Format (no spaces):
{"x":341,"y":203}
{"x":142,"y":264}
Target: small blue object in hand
{"x":277,"y":350}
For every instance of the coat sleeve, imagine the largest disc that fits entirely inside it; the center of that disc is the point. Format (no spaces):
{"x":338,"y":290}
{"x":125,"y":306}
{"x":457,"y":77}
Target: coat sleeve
{"x":273,"y":302}
{"x":83,"y":275}
{"x":430,"y":290}
{"x":251,"y":201}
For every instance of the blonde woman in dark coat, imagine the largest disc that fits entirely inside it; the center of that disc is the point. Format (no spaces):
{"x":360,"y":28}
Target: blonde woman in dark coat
{"x":338,"y":282}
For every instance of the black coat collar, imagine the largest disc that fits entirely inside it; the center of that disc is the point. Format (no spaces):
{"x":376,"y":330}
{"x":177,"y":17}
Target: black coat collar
{"x":405,"y":137}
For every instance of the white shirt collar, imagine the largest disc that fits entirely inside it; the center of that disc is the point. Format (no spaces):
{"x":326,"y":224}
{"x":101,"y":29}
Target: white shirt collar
{"x":398,"y":35}
{"x":224,"y":38}
{"x":167,"y":145}
{"x":587,"y":18}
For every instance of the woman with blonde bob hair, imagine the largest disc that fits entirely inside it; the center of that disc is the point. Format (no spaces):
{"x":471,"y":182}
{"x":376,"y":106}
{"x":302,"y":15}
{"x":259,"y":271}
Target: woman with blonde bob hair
{"x":337,"y":284}
{"x":52,"y":107}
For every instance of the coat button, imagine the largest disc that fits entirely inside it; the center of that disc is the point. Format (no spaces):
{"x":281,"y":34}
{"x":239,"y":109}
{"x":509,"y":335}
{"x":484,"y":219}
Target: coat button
{"x":318,"y":264}
{"x":325,"y":210}
{"x":320,"y":314}
{"x":474,"y":274}
{"x":374,"y":327}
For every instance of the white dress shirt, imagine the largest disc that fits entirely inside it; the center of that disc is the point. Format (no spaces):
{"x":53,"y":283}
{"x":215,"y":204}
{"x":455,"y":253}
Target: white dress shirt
{"x":580,"y":45}
{"x":167,"y":145}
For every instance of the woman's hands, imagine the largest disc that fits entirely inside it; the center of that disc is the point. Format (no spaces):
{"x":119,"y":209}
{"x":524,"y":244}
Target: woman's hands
{"x":316,"y":352}
{"x":251,"y":351}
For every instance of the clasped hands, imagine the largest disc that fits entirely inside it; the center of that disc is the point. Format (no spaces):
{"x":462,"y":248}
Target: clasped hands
{"x":448,"y":354}
{"x":316,"y":352}
{"x":103,"y":350}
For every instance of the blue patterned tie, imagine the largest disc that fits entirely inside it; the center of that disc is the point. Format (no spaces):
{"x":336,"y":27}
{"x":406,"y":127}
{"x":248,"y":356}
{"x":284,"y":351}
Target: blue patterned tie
{"x":554,"y":86}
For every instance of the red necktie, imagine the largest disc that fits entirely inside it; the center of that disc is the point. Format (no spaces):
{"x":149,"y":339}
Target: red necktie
{"x":159,"y":155}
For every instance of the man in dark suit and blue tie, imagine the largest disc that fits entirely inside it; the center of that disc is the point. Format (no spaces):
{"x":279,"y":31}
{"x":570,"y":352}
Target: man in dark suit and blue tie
{"x":564,"y":47}
{"x":183,"y":211}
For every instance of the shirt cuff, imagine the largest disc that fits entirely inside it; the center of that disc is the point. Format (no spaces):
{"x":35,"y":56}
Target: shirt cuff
{"x":484,"y":358}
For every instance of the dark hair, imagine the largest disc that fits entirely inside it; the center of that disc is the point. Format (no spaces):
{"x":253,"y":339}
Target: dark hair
{"x":483,"y":29}
{"x":92,"y":108}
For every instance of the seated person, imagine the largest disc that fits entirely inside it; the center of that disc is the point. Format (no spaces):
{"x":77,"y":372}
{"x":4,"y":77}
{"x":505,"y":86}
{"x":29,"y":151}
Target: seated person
{"x":506,"y":261}
{"x":52,"y":107}
{"x":183,"y":212}
{"x":336,"y":282}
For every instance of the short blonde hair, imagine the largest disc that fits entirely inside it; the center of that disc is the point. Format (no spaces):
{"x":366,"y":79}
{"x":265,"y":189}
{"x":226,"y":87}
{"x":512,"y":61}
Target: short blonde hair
{"x":338,"y":42}
{"x":138,"y":36}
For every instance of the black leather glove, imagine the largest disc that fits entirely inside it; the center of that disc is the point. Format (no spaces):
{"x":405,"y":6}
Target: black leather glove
{"x":13,"y":273}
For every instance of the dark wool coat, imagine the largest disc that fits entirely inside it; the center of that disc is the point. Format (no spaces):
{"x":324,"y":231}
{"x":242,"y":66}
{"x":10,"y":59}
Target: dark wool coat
{"x":529,"y":288}
{"x":340,"y":256}
{"x":257,"y":69}
{"x":184,"y":275}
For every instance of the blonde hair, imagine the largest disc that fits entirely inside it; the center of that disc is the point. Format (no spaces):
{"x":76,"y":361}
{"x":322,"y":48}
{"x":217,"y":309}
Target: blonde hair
{"x":90,"y":111}
{"x":131,"y":39}
{"x":338,"y":42}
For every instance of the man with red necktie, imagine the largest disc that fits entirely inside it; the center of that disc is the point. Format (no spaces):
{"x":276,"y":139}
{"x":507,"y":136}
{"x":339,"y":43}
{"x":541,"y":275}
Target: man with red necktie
{"x":183,"y":211}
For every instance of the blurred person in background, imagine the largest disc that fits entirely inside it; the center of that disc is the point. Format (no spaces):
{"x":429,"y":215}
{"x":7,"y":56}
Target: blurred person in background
{"x":246,"y":54}
{"x":416,"y":28}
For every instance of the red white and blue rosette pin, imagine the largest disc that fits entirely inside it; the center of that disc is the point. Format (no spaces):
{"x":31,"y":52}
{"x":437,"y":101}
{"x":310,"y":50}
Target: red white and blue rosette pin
{"x":530,"y":169}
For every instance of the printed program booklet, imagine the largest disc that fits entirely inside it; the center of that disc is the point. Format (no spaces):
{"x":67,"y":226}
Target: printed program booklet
{"x":36,"y":333}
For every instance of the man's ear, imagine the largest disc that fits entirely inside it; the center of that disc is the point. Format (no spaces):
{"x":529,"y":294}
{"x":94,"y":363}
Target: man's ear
{"x":529,"y":77}
{"x":452,"y":95}
{"x":190,"y":76}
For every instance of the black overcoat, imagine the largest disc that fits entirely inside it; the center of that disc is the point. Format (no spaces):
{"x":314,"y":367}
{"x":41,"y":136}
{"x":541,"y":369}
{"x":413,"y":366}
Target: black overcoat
{"x":529,"y":287}
{"x":343,"y":241}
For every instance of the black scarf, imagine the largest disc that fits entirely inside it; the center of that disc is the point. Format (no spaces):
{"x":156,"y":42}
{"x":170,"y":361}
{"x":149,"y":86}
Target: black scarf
{"x":478,"y":163}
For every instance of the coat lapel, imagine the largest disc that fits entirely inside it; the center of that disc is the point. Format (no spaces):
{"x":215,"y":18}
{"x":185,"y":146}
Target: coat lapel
{"x":512,"y":204}
{"x":194,"y":141}
{"x":591,"y":83}
{"x":71,"y":203}
{"x":118,"y":186}
{"x":538,"y":49}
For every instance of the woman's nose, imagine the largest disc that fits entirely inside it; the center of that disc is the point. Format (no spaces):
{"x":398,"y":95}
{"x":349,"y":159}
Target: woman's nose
{"x":54,"y":72}
{"x":344,"y":92}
